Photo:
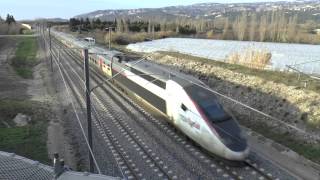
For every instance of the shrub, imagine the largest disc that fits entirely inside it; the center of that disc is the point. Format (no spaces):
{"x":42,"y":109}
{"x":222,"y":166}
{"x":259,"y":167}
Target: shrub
{"x":252,"y":58}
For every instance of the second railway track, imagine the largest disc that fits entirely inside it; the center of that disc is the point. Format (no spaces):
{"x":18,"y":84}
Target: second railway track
{"x":205,"y":164}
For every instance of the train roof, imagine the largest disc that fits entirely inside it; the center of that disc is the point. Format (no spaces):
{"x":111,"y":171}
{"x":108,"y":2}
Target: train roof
{"x":84,"y":44}
{"x":157,"y":71}
{"x":163,"y":73}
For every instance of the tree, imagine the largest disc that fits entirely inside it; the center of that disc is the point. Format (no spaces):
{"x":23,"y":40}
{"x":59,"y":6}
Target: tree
{"x":125,"y":25}
{"x":162,"y":25}
{"x":87,"y":23}
{"x":10,"y":19}
{"x":242,"y":26}
{"x":97,"y":23}
{"x":292,"y":28}
{"x":263,"y":27}
{"x":235,"y":27}
{"x":149,"y":27}
{"x":253,"y":25}
{"x":225,"y":28}
{"x":81,"y":22}
{"x":73,"y":24}
{"x":282,"y":28}
{"x":119,"y":25}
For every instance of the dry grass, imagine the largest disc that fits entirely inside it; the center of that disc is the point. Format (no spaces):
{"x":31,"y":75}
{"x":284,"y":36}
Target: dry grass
{"x":210,"y":34}
{"x":252,"y":58}
{"x":10,"y":29}
{"x":127,"y":38}
{"x":117,"y":38}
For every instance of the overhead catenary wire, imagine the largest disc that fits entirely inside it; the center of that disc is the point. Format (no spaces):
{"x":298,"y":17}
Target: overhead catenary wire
{"x":96,"y":114}
{"x":119,"y":73}
{"x":77,"y":116}
{"x":232,"y":100}
{"x":248,"y":107}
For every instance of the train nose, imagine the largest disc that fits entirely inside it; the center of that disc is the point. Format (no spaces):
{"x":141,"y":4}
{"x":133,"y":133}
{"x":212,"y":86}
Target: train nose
{"x":237,"y":156}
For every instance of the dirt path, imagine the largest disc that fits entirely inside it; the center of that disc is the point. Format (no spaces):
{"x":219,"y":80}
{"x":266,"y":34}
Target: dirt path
{"x":11,"y":85}
{"x":42,"y":89}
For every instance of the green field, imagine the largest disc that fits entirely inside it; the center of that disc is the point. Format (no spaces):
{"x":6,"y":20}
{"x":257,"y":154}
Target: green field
{"x":30,"y":140}
{"x":309,"y":151}
{"x":25,"y":57}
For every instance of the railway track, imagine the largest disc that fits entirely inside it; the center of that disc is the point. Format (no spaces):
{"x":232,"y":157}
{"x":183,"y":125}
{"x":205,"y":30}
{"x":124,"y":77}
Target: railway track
{"x":170,"y":131}
{"x":161,"y":162}
{"x":210,"y":164}
{"x":146,"y":153}
{"x":116,"y":148}
{"x":120,"y":155}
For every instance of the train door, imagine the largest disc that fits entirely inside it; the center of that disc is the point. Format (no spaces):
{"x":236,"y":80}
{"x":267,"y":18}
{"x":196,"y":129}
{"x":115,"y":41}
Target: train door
{"x":106,"y":68}
{"x":100,"y":63}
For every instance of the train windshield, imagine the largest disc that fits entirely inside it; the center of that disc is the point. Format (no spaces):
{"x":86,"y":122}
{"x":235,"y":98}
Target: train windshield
{"x":208,"y":103}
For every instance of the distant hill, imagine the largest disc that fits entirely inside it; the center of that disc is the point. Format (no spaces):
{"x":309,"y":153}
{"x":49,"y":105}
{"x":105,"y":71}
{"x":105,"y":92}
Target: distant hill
{"x":55,"y":20}
{"x":204,"y":10}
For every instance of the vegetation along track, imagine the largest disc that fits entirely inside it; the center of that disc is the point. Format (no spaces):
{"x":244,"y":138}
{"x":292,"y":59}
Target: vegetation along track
{"x":208,"y":163}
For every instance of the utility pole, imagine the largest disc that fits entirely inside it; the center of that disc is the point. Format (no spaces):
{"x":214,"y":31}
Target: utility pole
{"x":50,"y":48}
{"x":87,"y":90}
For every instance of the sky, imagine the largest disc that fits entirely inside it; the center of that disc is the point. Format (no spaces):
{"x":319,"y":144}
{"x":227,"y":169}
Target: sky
{"x":31,"y":9}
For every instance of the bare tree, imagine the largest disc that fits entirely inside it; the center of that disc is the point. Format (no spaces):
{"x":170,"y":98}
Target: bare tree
{"x":253,"y":26}
{"x":125,"y":26}
{"x":177,"y":29}
{"x":282,"y":28}
{"x":152,"y":30}
{"x":235,"y":27}
{"x":225,"y":28}
{"x":149,"y":26}
{"x":263,"y":27}
{"x":163,"y":26}
{"x":119,"y":25}
{"x":242,"y":26}
{"x":273,"y":26}
{"x":292,"y":28}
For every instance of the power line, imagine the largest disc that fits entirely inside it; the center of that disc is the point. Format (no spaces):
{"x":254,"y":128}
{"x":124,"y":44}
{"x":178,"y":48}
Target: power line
{"x":247,"y":106}
{"x":78,"y":119}
{"x":94,"y":110}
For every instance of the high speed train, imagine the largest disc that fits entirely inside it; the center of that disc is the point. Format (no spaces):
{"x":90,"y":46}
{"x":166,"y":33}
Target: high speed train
{"x":186,"y":101}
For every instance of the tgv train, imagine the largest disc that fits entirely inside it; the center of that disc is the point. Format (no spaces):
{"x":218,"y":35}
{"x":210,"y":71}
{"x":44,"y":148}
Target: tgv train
{"x":185,"y":100}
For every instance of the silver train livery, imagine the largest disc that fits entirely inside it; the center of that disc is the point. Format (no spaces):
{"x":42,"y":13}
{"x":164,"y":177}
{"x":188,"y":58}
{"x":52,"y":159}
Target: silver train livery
{"x":185,"y":100}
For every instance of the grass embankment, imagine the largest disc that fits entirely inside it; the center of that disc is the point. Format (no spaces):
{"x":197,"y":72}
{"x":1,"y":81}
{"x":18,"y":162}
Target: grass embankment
{"x":309,"y":151}
{"x":30,"y":140}
{"x":25,"y":57}
{"x":289,"y":79}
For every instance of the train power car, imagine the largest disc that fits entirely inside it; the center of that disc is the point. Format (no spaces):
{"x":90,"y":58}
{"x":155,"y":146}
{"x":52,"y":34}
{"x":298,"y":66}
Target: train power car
{"x":186,"y":101}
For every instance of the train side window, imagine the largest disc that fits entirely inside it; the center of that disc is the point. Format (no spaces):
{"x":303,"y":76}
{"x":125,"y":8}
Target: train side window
{"x":183,"y":107}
